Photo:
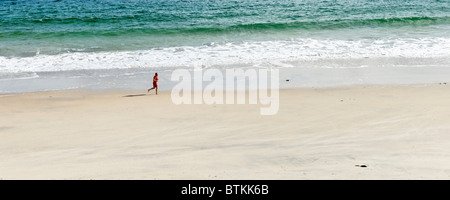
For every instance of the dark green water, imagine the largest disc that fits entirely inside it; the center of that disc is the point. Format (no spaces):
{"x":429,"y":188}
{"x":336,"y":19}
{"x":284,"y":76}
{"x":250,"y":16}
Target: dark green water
{"x":47,"y":35}
{"x":27,"y":26}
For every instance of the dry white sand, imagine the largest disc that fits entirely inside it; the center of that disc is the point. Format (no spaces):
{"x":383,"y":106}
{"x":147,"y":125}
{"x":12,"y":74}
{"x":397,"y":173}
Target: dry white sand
{"x":399,"y":132}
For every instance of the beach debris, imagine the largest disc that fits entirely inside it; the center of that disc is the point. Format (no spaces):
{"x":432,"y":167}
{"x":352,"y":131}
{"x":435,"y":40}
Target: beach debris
{"x":287,"y":80}
{"x":360,"y":165}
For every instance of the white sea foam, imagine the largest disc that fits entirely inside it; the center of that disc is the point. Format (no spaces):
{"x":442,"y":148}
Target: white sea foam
{"x":16,"y":76}
{"x":254,"y":53}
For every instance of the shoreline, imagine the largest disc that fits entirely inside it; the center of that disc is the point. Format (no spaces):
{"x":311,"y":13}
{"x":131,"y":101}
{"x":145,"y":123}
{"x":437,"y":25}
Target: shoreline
{"x":165,"y":90}
{"x":363,"y":72}
{"x":398,"y":132}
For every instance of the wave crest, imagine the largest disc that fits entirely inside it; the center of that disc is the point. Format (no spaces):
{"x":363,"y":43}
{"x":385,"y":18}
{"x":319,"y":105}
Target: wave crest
{"x":223,"y":54}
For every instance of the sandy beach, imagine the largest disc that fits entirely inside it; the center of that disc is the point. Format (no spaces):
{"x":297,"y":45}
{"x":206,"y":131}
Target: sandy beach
{"x":397,"y":132}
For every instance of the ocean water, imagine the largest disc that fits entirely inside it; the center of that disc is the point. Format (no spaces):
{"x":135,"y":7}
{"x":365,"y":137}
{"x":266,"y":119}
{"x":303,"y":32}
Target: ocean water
{"x":88,"y":40}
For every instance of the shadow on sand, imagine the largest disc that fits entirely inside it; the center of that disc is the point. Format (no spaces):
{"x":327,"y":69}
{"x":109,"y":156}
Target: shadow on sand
{"x":135,"y":95}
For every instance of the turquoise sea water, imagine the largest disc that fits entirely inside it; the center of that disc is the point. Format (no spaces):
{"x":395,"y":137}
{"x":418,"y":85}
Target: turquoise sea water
{"x":66,"y":35}
{"x":29,"y":27}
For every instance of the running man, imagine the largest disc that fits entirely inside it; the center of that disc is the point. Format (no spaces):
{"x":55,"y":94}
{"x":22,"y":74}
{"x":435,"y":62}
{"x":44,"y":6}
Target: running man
{"x":155,"y":83}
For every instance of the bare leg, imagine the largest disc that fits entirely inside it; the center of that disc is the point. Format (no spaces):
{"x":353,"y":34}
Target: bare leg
{"x":150,"y":89}
{"x":156,"y":90}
